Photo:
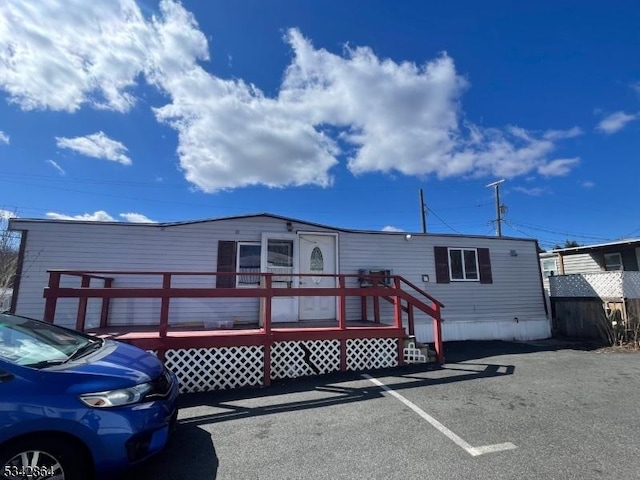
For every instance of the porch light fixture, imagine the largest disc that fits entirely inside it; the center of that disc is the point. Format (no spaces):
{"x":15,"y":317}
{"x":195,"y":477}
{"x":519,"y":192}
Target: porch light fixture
{"x":408,"y":237}
{"x":289,"y":227}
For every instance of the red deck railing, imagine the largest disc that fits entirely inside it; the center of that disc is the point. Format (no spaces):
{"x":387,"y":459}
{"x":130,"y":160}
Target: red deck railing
{"x":405,"y":300}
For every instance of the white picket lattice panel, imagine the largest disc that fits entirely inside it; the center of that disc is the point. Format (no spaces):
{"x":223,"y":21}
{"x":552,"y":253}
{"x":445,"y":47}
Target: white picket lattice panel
{"x":371,"y":353}
{"x":412,"y":354}
{"x":594,"y":285}
{"x":631,"y":284}
{"x":303,"y":358}
{"x":204,"y":369}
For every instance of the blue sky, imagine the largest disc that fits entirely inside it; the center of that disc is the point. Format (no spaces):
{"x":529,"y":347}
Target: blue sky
{"x":332,"y":112}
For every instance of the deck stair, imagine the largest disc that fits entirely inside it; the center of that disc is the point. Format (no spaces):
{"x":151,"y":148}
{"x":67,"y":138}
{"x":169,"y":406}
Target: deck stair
{"x":416,"y":352}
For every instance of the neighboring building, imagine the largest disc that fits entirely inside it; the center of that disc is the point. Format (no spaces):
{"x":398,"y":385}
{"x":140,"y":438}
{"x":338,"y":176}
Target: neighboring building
{"x":582,"y":282}
{"x":490,"y":286}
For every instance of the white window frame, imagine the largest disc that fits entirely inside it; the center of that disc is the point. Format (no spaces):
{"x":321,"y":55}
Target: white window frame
{"x":619,"y":262}
{"x":239,"y":245}
{"x":546,"y":272}
{"x":464,"y":273}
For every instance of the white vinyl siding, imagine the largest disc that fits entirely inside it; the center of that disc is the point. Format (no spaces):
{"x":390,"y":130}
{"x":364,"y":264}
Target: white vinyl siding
{"x":129,"y":247}
{"x":580,"y":263}
{"x":514,"y":294}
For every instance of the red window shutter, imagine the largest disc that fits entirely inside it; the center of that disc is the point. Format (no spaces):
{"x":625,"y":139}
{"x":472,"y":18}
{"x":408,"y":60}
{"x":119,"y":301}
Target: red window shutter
{"x":441,"y":255}
{"x":484,"y":265}
{"x":226,"y":263}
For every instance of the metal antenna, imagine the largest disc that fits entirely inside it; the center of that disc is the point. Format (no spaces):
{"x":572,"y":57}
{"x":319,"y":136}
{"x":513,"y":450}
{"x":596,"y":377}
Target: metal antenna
{"x":498,"y":220}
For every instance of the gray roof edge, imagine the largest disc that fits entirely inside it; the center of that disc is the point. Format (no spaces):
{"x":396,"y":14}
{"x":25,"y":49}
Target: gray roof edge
{"x":586,"y":248}
{"x":14,"y":220}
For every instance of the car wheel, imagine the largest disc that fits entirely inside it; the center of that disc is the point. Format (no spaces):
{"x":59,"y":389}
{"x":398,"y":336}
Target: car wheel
{"x":42,"y":459}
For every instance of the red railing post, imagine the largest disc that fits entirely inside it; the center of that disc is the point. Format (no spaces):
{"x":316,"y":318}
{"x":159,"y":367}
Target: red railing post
{"x":51,"y":301}
{"x":268,"y":339}
{"x":268,"y":296}
{"x":437,"y":335}
{"x":82,"y":305}
{"x":376,"y":309}
{"x":342,"y":304}
{"x":164,"y":306}
{"x":397,"y":314}
{"x":106,"y":303}
{"x":363,"y":308}
{"x":342,"y":322}
{"x":412,"y":329}
{"x":267,"y":361}
{"x":397,"y":304}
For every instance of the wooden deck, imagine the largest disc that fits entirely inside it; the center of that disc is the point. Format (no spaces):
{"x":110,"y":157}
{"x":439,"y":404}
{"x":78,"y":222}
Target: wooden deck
{"x":197,"y":336}
{"x":254,"y":354}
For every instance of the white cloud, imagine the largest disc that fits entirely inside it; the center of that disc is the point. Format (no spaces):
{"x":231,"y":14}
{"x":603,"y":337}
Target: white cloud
{"x":588,"y":184}
{"x":58,"y":168}
{"x":404,"y":117}
{"x":391,"y":228}
{"x":562,"y":134}
{"x":136,"y":218}
{"x":98,"y":216}
{"x":616,"y":122}
{"x":61,"y":55}
{"x":392,"y":116}
{"x":533,"y":192}
{"x":558,"y":168}
{"x":636,"y":87}
{"x":96,"y":145}
{"x":101,"y":216}
{"x":4,"y":138}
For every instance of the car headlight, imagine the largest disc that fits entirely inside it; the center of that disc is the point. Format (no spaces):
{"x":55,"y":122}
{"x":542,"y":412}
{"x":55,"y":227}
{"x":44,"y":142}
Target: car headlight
{"x":116,"y":398}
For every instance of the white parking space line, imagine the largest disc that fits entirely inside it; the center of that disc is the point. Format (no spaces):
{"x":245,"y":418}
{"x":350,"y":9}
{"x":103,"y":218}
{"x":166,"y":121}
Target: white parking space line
{"x":473,"y":451}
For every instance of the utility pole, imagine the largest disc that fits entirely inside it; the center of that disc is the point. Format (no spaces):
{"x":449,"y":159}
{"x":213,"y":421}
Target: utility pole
{"x":423,"y":212}
{"x":498,"y":220}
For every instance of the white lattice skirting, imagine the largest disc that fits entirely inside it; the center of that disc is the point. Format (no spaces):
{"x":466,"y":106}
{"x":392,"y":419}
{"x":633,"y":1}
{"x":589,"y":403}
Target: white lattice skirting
{"x":372,"y":353}
{"x":299,"y":359}
{"x":205,"y":369}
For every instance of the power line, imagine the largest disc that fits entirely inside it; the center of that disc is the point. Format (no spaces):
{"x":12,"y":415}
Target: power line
{"x":442,"y":221}
{"x":565,"y":234}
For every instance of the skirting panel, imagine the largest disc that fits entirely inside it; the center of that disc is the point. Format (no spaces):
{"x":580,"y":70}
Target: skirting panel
{"x":486,"y":330}
{"x":204,"y":369}
{"x":303,"y":358}
{"x":372,"y":353}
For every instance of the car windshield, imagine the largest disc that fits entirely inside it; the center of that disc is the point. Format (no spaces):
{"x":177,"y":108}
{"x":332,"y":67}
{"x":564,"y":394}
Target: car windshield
{"x":28,"y":342}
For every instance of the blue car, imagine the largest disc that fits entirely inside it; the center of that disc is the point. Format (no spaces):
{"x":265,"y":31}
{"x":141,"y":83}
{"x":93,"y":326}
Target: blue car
{"x":73,"y":406}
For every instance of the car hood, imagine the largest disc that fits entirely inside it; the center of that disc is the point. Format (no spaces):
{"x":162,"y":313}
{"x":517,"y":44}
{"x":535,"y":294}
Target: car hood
{"x":115,"y":365}
{"x":121,"y":361}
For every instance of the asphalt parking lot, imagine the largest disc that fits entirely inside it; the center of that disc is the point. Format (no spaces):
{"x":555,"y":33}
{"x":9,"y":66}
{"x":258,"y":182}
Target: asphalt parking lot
{"x":495,"y":410}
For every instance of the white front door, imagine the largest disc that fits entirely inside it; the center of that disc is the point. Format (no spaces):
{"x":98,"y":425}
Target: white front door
{"x":279,"y":258}
{"x":317,"y":256}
